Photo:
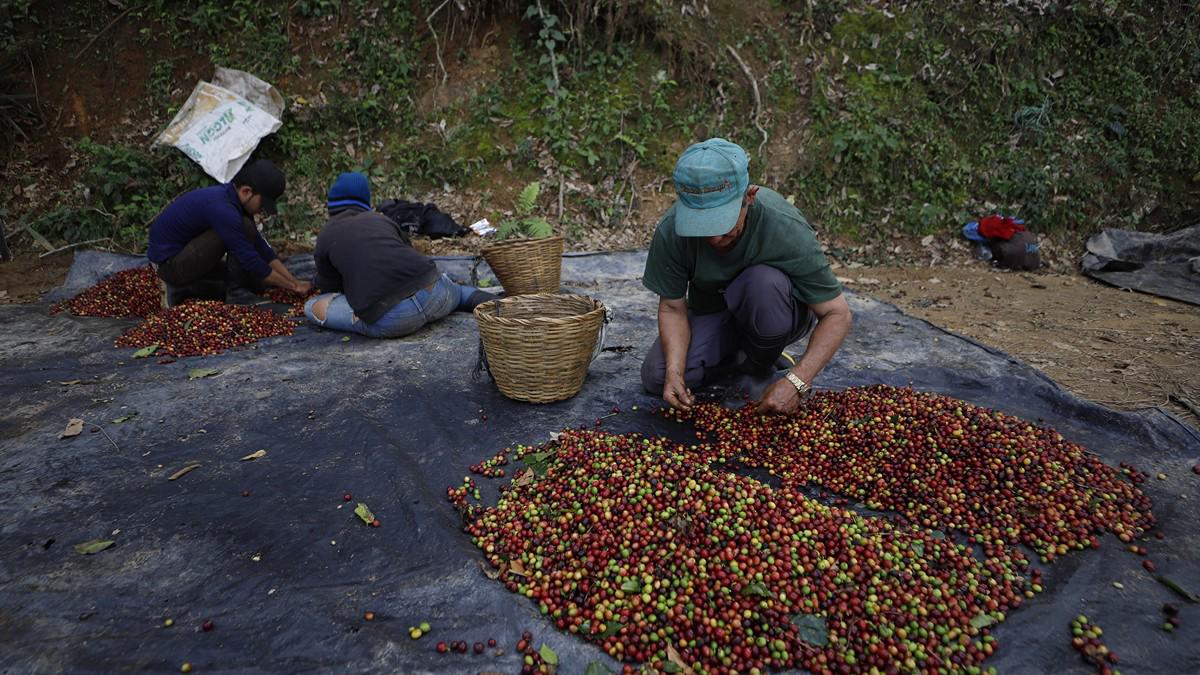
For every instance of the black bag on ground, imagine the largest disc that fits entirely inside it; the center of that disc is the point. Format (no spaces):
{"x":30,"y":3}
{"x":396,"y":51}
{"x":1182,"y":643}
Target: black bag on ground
{"x":418,"y":218}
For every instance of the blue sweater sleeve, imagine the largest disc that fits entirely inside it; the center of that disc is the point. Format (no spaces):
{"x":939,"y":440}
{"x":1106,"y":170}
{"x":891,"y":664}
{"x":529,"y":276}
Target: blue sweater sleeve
{"x":228,"y":226}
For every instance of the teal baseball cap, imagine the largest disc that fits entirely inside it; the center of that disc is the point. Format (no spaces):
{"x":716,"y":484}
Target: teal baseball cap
{"x":710,"y":179}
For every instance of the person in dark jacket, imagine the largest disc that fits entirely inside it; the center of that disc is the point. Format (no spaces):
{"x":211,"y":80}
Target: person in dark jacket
{"x":374,"y":282}
{"x":189,"y":240}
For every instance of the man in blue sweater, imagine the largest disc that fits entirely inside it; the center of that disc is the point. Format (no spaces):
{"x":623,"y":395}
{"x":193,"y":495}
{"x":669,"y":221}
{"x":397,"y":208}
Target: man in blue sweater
{"x":190,"y":238}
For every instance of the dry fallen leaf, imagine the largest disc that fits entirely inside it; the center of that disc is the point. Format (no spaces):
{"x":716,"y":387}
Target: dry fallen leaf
{"x":674,"y":657}
{"x":518,"y":567}
{"x":488,"y":571}
{"x":255,"y":455}
{"x":181,"y":472}
{"x":74,"y":428}
{"x":523,"y":478}
{"x":69,"y":382}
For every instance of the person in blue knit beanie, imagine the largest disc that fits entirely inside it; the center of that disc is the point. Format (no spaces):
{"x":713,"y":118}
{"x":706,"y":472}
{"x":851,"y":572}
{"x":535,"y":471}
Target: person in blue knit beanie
{"x":373,"y":281}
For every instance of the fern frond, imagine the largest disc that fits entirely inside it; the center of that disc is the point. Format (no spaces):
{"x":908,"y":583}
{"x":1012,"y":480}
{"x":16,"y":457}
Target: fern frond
{"x":507,"y":229}
{"x":528,"y":198}
{"x":538,"y":227}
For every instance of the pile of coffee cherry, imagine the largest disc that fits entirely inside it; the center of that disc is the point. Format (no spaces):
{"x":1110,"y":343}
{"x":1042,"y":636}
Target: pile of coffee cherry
{"x":129,"y":293}
{"x":200,"y":327}
{"x":661,"y":554}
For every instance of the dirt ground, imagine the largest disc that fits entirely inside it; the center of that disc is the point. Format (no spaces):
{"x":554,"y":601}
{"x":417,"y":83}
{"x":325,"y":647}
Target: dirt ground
{"x":1123,"y":349}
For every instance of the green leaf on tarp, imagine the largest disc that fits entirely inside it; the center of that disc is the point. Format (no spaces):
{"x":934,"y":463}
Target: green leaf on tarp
{"x":983,"y":620}
{"x":93,"y":546}
{"x":757,"y":588}
{"x":597,"y":668}
{"x":812,"y":629}
{"x":125,"y":418}
{"x":538,"y":461}
{"x":632,"y":586}
{"x":548,"y":655}
{"x":197,"y":373}
{"x":145,"y":351}
{"x":937,"y":534}
{"x":918,"y":547}
{"x":345,"y":338}
{"x":669,"y":667}
{"x":365,"y":513}
{"x":611,"y":628}
{"x":1183,"y":592}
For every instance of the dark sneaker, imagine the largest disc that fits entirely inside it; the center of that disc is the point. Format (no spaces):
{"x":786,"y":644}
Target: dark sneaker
{"x":476,"y":299}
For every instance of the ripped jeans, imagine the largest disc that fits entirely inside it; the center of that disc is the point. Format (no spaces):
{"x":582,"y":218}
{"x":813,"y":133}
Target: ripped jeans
{"x":407,"y":317}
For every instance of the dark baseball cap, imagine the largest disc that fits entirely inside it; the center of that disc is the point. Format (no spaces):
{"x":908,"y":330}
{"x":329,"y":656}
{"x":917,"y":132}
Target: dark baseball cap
{"x":266,"y":179}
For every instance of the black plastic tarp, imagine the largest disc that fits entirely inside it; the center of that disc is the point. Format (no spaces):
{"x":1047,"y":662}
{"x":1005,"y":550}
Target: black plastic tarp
{"x":1166,"y":265}
{"x":287,"y":572}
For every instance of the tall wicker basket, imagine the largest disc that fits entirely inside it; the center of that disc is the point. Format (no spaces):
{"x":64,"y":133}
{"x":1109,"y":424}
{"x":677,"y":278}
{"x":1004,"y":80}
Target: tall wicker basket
{"x":539,"y":346}
{"x":526,"y":266}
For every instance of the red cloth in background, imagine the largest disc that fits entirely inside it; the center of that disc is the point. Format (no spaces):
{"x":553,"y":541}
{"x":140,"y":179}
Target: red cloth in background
{"x":999,"y":227}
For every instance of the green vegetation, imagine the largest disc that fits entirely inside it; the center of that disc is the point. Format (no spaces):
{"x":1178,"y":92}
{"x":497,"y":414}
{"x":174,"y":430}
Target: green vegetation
{"x":525,"y":224}
{"x":912,"y":118}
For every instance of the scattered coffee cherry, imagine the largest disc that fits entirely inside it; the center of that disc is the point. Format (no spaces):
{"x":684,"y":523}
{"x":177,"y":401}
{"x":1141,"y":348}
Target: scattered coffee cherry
{"x":167,"y":623}
{"x":283,"y":296}
{"x":1170,"y":609}
{"x":1161,"y":476}
{"x":375,"y":523}
{"x":479,"y":648}
{"x":425,"y":627}
{"x":347,"y":497}
{"x":415,"y":633}
{"x":185,"y":668}
{"x":200,"y":327}
{"x":491,"y":643}
{"x":245,"y":493}
{"x":483,"y":417}
{"x":208,"y":625}
{"x":635,"y":542}
{"x":442,"y":648}
{"x":1086,"y":640}
{"x":130,"y":293}
{"x":1149,"y":565}
{"x":369,"y":616}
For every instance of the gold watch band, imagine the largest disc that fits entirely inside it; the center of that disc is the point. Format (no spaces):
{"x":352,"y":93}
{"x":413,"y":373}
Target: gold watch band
{"x":803,"y":388}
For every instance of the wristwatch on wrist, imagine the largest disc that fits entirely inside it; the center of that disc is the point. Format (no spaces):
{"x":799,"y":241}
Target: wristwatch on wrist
{"x":803,"y":388}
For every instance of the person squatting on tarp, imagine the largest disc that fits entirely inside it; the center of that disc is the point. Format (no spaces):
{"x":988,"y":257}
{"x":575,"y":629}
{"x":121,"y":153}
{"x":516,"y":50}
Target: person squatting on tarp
{"x":740,"y":276}
{"x":382,"y":286}
{"x":190,"y":238}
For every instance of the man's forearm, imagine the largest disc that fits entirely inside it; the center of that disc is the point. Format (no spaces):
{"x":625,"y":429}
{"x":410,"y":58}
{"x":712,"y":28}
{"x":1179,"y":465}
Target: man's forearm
{"x":676,"y":334}
{"x":278,"y":267}
{"x":826,"y":338}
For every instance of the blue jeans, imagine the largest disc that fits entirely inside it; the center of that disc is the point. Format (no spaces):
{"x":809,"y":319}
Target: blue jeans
{"x":407,"y":317}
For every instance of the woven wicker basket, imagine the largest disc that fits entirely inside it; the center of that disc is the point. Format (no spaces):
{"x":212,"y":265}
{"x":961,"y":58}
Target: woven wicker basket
{"x":539,"y":346}
{"x":526,"y":266}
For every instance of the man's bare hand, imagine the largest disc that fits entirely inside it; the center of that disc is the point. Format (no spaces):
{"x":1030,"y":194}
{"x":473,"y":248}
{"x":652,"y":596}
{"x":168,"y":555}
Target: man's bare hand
{"x":781,"y":398}
{"x":676,"y":393}
{"x":302,"y":287}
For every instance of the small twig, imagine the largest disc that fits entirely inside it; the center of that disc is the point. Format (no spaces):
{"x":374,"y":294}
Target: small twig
{"x":757,"y":97}
{"x":103,"y":31}
{"x":78,"y":243}
{"x":561,"y":184}
{"x":1185,"y":402}
{"x":37,"y":100}
{"x":101,"y":430}
{"x":437,"y":43}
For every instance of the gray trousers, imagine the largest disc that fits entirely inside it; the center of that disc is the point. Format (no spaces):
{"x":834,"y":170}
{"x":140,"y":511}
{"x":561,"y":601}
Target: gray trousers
{"x":761,"y":318}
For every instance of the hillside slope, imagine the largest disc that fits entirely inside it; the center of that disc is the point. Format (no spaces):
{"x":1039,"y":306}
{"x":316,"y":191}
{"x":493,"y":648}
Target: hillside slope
{"x":879,"y":117}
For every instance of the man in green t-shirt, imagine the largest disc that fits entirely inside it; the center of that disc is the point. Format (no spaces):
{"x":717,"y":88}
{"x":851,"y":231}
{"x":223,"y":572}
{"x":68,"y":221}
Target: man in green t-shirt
{"x":740,"y":276}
